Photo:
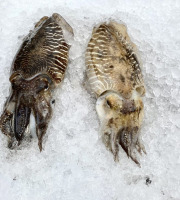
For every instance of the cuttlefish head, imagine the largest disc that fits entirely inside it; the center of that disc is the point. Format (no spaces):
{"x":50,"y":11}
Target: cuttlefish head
{"x":121,"y":120}
{"x":27,"y":96}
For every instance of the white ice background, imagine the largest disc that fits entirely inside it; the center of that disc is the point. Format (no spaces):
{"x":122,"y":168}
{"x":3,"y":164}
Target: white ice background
{"x":75,"y":165}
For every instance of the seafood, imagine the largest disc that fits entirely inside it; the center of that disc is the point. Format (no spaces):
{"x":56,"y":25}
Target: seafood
{"x":114,"y":76}
{"x":37,"y":70}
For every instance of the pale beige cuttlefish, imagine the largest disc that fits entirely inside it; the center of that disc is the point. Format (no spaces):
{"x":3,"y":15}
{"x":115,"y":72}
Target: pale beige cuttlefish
{"x":114,"y":76}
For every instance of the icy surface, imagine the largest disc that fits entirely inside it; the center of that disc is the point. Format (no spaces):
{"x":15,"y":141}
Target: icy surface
{"x":75,"y":164}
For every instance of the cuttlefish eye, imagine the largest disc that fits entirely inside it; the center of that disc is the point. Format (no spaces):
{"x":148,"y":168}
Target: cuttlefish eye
{"x":16,"y":79}
{"x":42,"y":84}
{"x":109,"y":104}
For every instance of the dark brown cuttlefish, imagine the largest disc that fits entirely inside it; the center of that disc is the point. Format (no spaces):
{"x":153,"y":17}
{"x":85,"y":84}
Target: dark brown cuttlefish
{"x":37,"y":69}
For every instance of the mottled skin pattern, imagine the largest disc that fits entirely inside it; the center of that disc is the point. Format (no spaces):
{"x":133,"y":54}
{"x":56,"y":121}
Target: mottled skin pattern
{"x":37,"y":70}
{"x":114,"y":76}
